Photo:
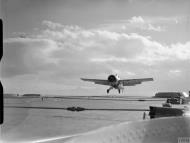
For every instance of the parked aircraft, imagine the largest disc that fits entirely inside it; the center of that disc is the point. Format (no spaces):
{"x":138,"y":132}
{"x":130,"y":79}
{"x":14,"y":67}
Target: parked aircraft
{"x":115,"y":82}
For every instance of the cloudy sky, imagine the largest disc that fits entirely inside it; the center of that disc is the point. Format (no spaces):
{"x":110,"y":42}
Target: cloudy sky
{"x":49,"y":45}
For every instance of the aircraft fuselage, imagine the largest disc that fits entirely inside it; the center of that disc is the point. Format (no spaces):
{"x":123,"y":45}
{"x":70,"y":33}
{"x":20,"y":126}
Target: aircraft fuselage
{"x":114,"y":83}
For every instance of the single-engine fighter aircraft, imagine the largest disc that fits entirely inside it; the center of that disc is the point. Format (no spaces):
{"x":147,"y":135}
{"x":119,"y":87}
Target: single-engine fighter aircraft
{"x":115,"y":82}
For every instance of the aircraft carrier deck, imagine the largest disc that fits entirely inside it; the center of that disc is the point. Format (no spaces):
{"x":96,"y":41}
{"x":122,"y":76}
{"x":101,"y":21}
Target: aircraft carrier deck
{"x":35,"y":118}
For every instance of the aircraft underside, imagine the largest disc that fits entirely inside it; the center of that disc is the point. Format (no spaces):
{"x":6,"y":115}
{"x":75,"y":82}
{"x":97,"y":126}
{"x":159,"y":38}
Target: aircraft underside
{"x":118,"y":88}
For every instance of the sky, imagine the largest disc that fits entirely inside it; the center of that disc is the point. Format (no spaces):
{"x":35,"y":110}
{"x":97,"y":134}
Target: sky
{"x":49,"y":45}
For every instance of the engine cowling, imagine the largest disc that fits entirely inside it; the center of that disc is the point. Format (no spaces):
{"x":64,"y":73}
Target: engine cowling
{"x":112,"y":78}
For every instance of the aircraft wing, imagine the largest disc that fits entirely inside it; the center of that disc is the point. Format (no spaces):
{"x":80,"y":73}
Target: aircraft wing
{"x":132,"y":82}
{"x":97,"y":81}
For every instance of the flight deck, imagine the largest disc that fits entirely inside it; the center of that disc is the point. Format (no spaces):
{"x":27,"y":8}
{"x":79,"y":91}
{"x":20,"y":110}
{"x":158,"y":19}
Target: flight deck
{"x":33,"y":118}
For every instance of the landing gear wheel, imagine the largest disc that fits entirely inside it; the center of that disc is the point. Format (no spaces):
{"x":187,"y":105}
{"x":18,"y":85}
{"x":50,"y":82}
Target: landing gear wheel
{"x":107,"y":91}
{"x":119,"y":91}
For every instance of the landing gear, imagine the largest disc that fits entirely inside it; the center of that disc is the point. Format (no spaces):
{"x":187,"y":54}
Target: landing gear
{"x":120,"y":89}
{"x":108,"y":90}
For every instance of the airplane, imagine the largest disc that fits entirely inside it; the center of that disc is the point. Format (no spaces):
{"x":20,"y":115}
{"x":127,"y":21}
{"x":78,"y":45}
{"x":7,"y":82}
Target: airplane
{"x":115,"y":82}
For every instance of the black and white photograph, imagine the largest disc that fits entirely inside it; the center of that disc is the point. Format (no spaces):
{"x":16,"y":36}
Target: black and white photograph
{"x":95,"y":71}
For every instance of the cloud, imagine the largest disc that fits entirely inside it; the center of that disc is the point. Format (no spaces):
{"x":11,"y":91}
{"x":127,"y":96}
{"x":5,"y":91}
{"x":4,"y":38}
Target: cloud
{"x":52,"y":25}
{"x":142,"y":24}
{"x":73,"y":50}
{"x":139,"y":22}
{"x":166,"y":20}
{"x":62,"y":54}
{"x":158,"y":28}
{"x":25,"y":56}
{"x":175,"y":72}
{"x":136,"y":23}
{"x":135,"y":20}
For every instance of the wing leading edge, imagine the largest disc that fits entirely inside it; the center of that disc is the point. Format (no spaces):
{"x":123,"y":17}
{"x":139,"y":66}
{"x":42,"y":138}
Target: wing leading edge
{"x":132,"y":82}
{"x":97,"y":81}
{"x":125,"y":82}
